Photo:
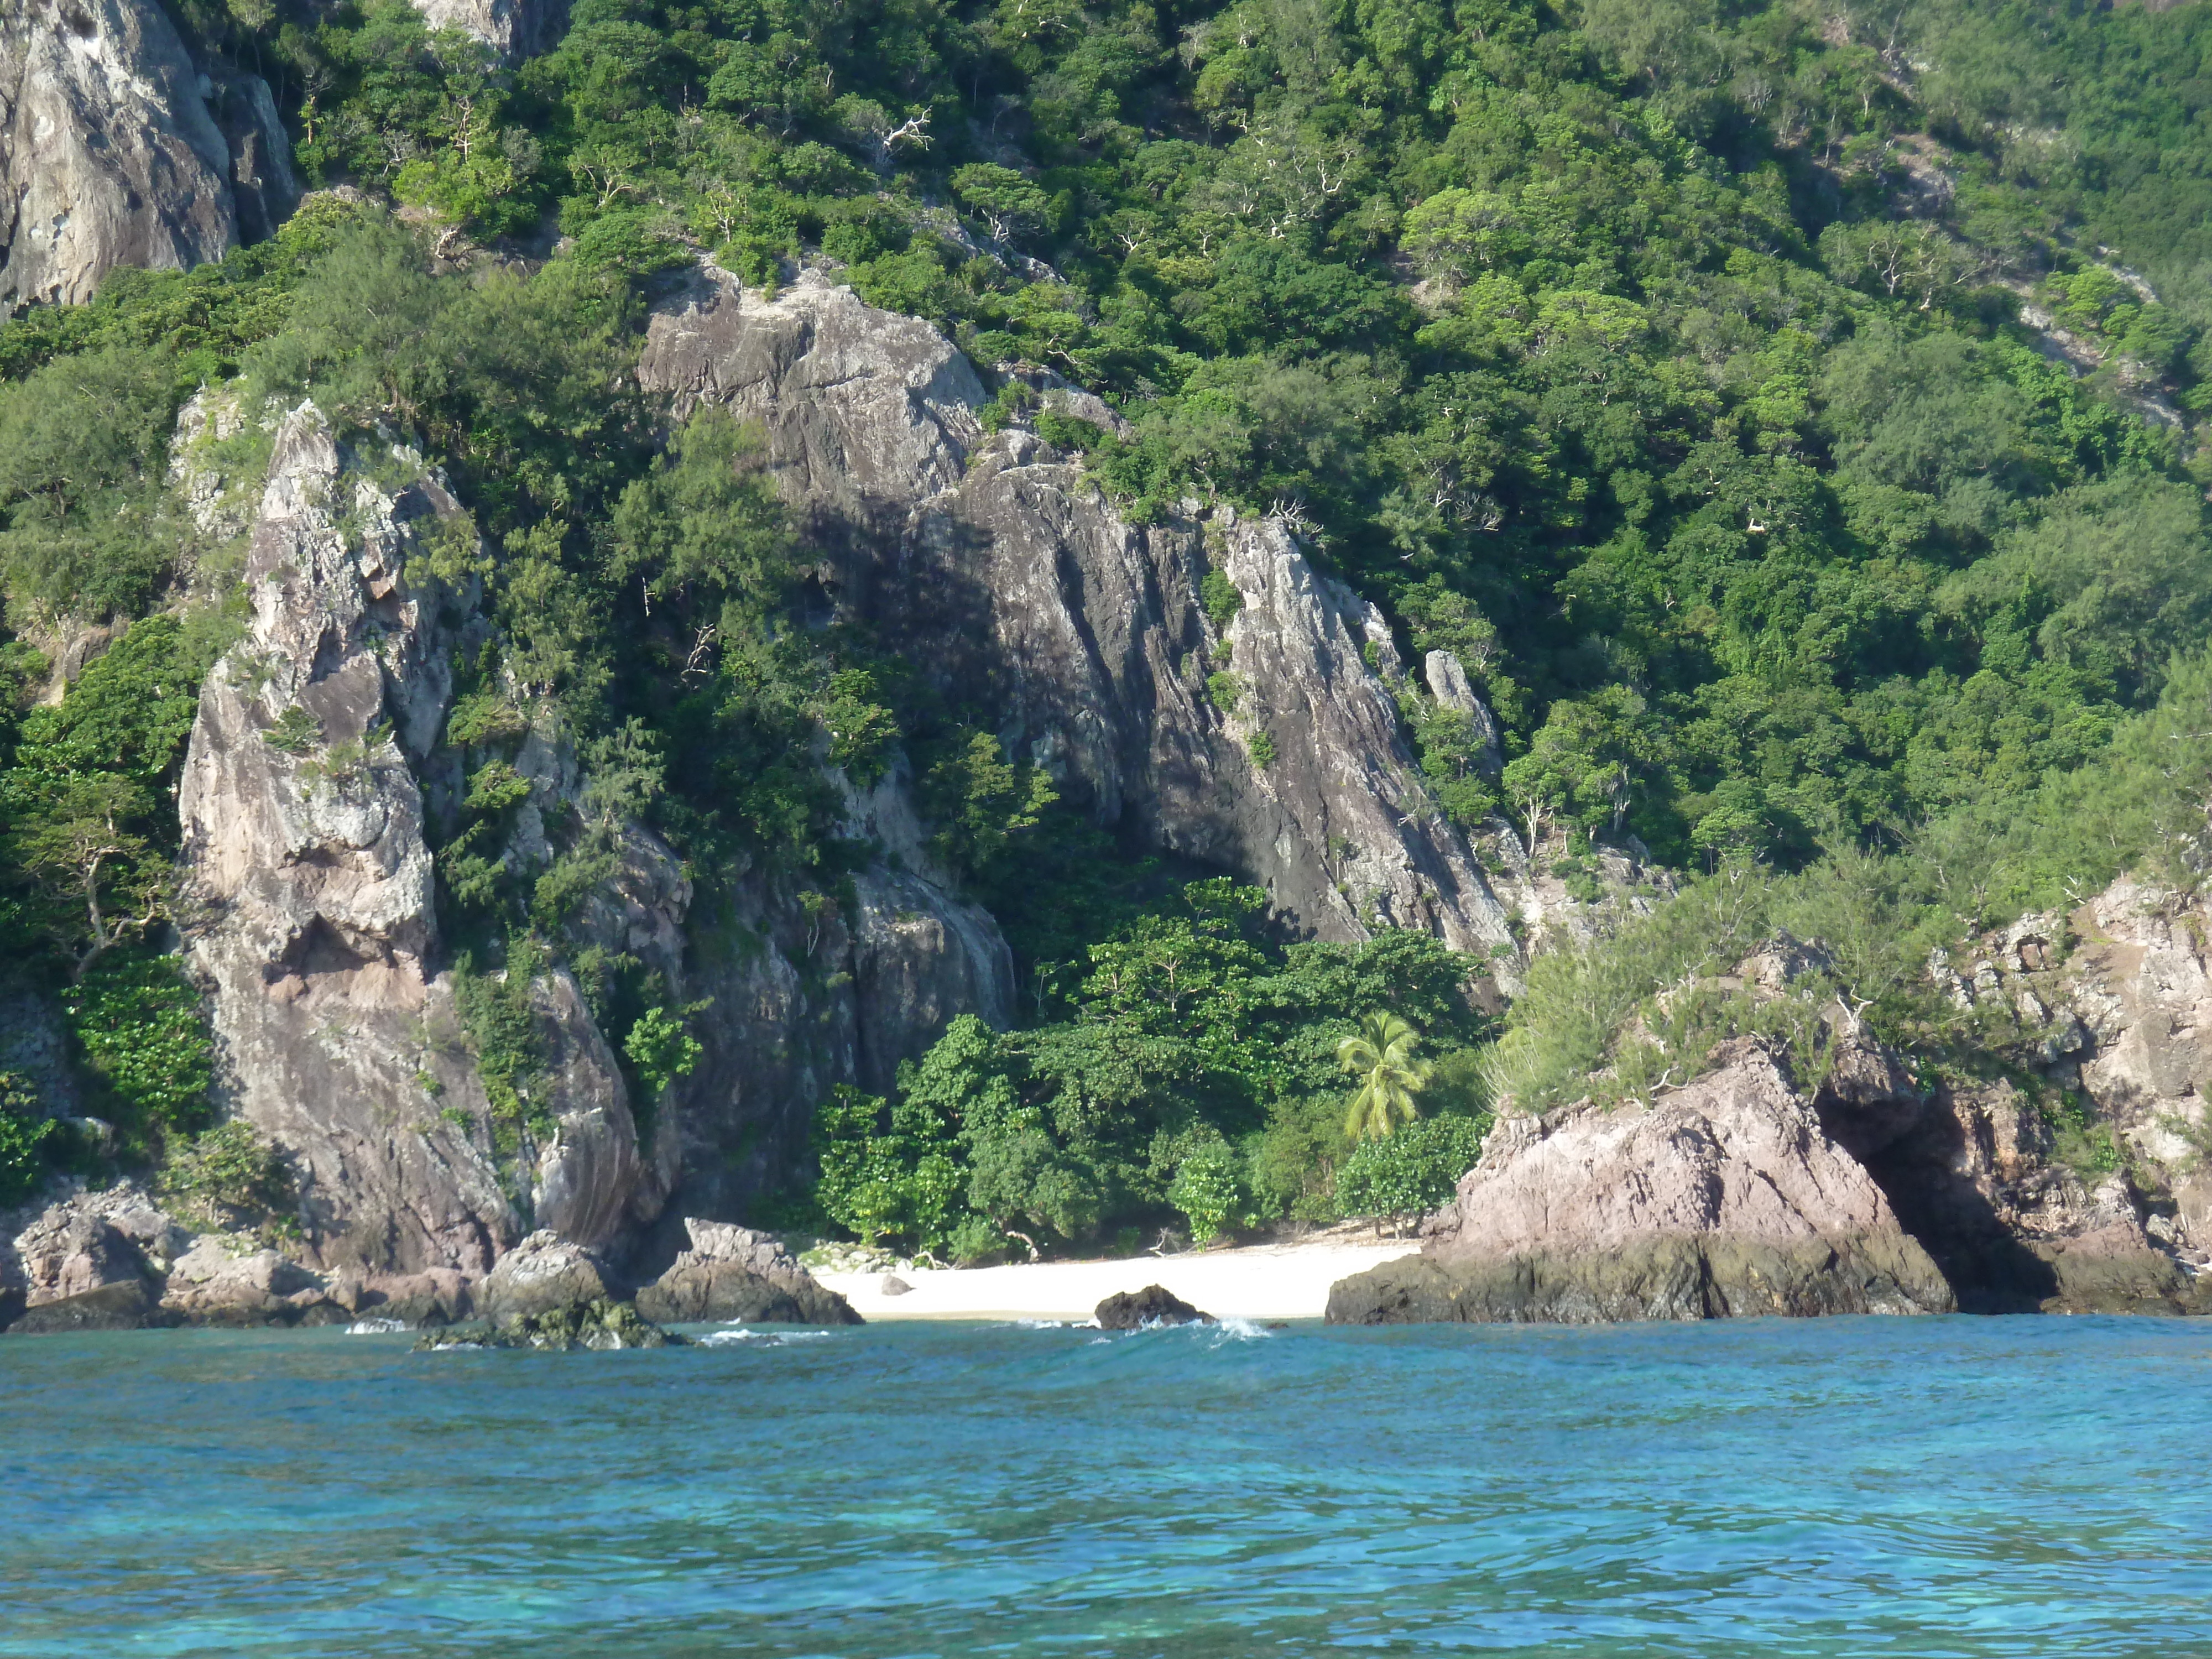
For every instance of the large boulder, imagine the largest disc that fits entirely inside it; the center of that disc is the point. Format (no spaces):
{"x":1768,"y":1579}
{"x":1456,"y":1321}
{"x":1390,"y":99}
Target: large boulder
{"x":734,"y":1273}
{"x":1134,"y":1310}
{"x":542,"y":1273}
{"x":1723,"y":1199}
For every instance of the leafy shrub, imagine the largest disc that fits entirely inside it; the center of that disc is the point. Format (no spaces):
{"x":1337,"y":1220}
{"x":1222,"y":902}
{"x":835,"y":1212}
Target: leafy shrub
{"x":1411,"y":1171}
{"x":143,"y":1028}
{"x":661,"y":1049}
{"x":1207,"y":1190}
{"x":232,"y":1174}
{"x":22,"y":1131}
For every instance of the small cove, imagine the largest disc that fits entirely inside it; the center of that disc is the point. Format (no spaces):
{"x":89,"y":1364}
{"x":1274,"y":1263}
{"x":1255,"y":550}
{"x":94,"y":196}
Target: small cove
{"x":1932,"y":1487}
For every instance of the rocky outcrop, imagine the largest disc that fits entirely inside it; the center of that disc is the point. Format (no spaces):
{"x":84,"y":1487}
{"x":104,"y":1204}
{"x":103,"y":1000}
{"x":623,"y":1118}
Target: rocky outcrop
{"x":601,"y":1326}
{"x":513,"y":29}
{"x":2088,"y":1191}
{"x":1134,"y":1310}
{"x":115,"y":1259}
{"x":337,"y":1032}
{"x":115,"y":149}
{"x":995,"y":565}
{"x":735,"y":1274}
{"x":543,"y":1272}
{"x":1725,"y":1198}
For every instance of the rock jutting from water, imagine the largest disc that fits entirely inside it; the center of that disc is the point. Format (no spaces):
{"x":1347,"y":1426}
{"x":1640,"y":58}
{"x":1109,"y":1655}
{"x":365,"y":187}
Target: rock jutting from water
{"x":734,"y":1273}
{"x":1133,"y":1311}
{"x":599,"y":1324}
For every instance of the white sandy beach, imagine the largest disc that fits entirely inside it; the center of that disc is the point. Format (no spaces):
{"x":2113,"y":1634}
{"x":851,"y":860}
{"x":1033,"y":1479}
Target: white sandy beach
{"x":1264,"y":1281}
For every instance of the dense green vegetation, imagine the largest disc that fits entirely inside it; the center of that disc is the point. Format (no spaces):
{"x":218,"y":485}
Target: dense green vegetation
{"x":1671,"y":363}
{"x":1201,"y":1075}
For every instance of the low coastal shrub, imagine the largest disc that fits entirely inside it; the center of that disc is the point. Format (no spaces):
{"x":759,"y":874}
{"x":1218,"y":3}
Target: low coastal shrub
{"x":1398,"y":1177}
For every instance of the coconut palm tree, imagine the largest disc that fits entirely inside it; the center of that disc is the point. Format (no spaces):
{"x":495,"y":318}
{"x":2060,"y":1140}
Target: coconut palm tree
{"x":1381,"y":1057}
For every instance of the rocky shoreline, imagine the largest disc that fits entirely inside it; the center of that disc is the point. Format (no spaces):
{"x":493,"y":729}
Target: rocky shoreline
{"x":112,"y":1260}
{"x":1743,"y":1193}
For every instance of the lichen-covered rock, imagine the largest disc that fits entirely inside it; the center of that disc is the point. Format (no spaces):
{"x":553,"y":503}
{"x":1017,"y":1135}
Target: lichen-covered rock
{"x":600,"y":1324}
{"x":108,"y":156}
{"x":1723,"y":1199}
{"x":735,"y":1274}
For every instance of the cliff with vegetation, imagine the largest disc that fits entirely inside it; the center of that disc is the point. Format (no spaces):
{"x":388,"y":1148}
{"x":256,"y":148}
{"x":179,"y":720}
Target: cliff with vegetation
{"x":935,"y":625}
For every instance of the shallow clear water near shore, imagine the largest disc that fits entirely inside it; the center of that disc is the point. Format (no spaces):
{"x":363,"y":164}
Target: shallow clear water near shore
{"x":1928,"y":1487}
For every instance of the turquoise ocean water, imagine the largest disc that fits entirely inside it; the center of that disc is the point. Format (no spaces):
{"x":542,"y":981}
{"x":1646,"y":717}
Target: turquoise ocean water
{"x":1925,"y":1487}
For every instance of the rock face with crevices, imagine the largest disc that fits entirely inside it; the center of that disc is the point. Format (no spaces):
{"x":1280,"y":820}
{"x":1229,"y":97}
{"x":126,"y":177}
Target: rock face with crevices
{"x":115,"y":149}
{"x":310,"y":880}
{"x":513,"y":29}
{"x":991,"y":563}
{"x":1725,"y":1198}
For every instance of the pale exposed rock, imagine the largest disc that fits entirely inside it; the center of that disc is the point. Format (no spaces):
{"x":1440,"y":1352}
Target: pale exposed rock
{"x":1725,"y":1198}
{"x":108,"y":154}
{"x":314,"y":921}
{"x":998,"y":567}
{"x":734,"y":1272}
{"x":542,"y":1273}
{"x":221,"y":502}
{"x":210,"y":1285}
{"x":920,"y":958}
{"x":514,"y":28}
{"x":76,"y":1246}
{"x":1449,"y":685}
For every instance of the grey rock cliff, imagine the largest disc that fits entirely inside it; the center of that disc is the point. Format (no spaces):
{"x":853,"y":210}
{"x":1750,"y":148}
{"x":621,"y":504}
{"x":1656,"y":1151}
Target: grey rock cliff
{"x":108,"y":154}
{"x":990,"y":560}
{"x":336,"y":1032}
{"x":513,"y":29}
{"x":117,"y":149}
{"x":1723,"y":1199}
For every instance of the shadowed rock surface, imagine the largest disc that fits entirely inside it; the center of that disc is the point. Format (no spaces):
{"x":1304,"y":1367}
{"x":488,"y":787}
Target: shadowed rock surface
{"x":991,"y":563}
{"x":1130,"y":1310}
{"x":599,"y":1324}
{"x":115,"y":149}
{"x":310,"y":874}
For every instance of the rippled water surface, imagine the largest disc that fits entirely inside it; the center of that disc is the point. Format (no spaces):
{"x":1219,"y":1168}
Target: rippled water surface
{"x":1918,"y":1487}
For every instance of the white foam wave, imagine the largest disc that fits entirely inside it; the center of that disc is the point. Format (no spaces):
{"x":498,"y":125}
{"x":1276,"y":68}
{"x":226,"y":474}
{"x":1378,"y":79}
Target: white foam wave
{"x":734,"y":1335}
{"x":376,"y":1327}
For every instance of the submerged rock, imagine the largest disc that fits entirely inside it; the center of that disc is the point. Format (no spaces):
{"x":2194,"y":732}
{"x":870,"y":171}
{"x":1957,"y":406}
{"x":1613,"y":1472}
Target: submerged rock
{"x":600,"y":1324}
{"x":1130,"y":1310}
{"x":1726,"y":1198}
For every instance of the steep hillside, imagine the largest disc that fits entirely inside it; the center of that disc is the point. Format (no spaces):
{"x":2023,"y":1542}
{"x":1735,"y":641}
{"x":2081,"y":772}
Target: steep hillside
{"x":931,"y":623}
